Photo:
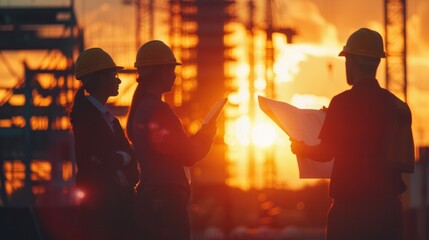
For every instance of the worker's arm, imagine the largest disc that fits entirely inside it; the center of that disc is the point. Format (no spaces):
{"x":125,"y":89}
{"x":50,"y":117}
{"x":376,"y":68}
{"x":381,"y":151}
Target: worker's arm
{"x":322,"y":152}
{"x":168,"y":137}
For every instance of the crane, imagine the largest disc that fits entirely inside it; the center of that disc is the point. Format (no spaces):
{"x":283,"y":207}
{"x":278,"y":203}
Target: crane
{"x":396,"y":47}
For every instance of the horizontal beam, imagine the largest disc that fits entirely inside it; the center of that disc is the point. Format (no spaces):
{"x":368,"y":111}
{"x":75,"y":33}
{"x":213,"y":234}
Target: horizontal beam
{"x":37,"y":16}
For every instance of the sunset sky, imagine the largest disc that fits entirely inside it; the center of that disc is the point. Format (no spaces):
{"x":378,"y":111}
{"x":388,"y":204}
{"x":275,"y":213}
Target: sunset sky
{"x":308,"y":73}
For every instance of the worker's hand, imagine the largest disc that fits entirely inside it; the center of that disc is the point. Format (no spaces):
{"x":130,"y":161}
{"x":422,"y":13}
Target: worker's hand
{"x":297,"y":146}
{"x":208,"y":130}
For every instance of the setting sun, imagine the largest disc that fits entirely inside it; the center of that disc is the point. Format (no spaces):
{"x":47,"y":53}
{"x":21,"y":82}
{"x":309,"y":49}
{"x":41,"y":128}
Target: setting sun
{"x":263,"y":134}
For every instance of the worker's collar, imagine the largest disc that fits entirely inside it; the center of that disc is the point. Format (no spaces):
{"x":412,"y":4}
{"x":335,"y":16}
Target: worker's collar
{"x":151,"y":94}
{"x":365,"y":83}
{"x":97,"y":104}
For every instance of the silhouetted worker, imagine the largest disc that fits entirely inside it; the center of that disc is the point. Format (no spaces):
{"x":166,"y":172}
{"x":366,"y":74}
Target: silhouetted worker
{"x":356,"y":133}
{"x":162,"y":147}
{"x":107,"y":174}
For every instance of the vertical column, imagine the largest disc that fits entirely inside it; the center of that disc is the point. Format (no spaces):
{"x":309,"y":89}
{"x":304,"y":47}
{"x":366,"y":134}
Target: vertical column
{"x":396,"y":47}
{"x":251,"y":154}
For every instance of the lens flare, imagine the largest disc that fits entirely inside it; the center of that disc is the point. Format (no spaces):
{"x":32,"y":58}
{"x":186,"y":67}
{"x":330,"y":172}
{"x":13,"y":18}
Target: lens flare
{"x":79,"y":194}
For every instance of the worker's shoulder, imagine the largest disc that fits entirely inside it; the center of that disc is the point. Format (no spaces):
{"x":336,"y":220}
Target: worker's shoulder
{"x":397,"y":106}
{"x":151,"y":106}
{"x":394,"y":100}
{"x":342,"y":96}
{"x":85,"y":111}
{"x":151,"y":103}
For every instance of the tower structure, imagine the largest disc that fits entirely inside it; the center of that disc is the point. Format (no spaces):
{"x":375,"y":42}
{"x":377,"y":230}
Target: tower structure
{"x":145,"y":20}
{"x":197,"y":37}
{"x":270,"y":168}
{"x":396,"y":47}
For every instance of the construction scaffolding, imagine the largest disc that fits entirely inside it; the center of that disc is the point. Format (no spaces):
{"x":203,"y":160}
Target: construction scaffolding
{"x":197,"y":37}
{"x":36,"y":145}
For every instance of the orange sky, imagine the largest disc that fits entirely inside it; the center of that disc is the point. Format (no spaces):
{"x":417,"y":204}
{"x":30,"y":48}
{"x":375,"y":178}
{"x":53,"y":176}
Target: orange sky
{"x":309,"y":69}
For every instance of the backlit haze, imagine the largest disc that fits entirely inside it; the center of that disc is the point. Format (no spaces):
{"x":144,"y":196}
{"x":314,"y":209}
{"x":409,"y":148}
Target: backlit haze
{"x":308,"y":73}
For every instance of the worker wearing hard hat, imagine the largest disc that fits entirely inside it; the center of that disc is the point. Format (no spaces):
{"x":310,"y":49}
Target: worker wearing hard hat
{"x":163,"y":149}
{"x":106,"y":173}
{"x":357,"y":133}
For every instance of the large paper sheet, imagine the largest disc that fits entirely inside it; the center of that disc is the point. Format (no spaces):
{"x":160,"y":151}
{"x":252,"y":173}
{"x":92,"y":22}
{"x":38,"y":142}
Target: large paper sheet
{"x":300,"y":124}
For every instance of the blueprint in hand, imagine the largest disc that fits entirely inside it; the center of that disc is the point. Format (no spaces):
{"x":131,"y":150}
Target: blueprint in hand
{"x":303,"y":125}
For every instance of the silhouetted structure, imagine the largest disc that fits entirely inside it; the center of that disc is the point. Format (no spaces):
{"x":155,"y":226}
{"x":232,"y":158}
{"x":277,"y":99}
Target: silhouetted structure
{"x":38,"y":128}
{"x":199,"y":36}
{"x":201,"y":25}
{"x":396,"y":47}
{"x":203,"y":78}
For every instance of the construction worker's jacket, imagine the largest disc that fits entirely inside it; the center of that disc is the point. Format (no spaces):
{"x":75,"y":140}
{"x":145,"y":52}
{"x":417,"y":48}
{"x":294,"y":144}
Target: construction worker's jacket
{"x":162,"y":147}
{"x":97,"y":144}
{"x":359,"y":128}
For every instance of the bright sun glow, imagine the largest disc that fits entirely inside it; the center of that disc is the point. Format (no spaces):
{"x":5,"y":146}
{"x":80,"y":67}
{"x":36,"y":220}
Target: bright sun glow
{"x":309,"y":101}
{"x":264,"y":134}
{"x":242,"y":133}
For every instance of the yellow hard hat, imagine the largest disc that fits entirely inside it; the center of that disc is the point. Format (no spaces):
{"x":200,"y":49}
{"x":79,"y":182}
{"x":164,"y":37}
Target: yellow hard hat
{"x":92,"y":60}
{"x":365,"y":42}
{"x":155,"y":52}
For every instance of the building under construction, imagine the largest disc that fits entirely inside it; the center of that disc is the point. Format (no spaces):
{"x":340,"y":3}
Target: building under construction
{"x":37,"y":153}
{"x":36,"y":144}
{"x":37,"y":149}
{"x":37,"y":161}
{"x":34,"y":110}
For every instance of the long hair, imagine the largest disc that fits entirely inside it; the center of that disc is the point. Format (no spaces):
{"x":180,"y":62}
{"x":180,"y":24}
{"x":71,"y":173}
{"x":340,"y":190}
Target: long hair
{"x":90,"y":83}
{"x":146,"y":77}
{"x":79,"y":97}
{"x":138,"y":94}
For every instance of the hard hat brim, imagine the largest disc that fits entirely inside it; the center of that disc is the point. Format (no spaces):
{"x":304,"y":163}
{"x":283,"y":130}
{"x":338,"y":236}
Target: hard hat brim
{"x":153,"y":53}
{"x":344,"y":53}
{"x":117,"y":68}
{"x":93,"y":60}
{"x":364,"y":42}
{"x":157,"y":64}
